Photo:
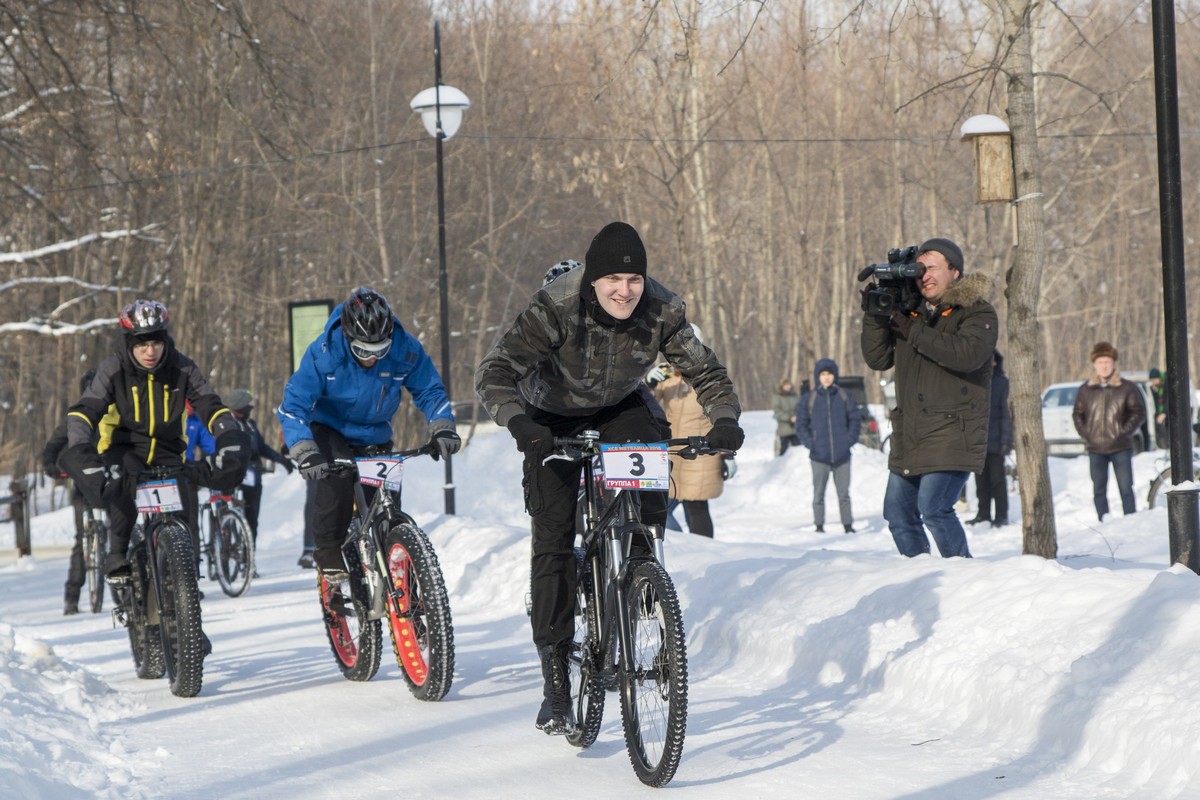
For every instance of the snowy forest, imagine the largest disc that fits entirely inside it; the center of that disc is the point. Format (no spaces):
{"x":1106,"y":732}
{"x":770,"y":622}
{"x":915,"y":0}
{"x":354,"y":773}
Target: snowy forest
{"x":229,"y":158}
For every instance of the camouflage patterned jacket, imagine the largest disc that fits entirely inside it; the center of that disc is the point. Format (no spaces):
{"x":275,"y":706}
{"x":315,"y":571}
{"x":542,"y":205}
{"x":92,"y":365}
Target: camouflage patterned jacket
{"x":558,"y":358}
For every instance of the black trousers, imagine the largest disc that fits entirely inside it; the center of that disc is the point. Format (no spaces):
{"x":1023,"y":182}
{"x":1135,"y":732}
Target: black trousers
{"x":123,"y":513}
{"x":550,"y":497}
{"x":333,"y":496}
{"x":76,"y":576}
{"x":991,"y":487}
{"x":251,"y":503}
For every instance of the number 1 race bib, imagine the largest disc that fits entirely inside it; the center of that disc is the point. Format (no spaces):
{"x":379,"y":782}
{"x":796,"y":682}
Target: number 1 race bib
{"x":387,"y":472}
{"x":156,"y":497}
{"x":641,"y":467}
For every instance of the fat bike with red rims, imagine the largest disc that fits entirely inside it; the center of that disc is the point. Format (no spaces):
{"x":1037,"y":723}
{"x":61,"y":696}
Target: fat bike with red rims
{"x":394,"y":579}
{"x":629,"y":634}
{"x":159,"y":602}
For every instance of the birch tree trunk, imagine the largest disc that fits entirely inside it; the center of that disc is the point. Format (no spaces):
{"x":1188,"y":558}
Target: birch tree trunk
{"x":1024,"y":329}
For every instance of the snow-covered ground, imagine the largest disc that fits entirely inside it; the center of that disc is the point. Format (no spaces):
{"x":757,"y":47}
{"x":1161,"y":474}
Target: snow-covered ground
{"x":822,"y":665}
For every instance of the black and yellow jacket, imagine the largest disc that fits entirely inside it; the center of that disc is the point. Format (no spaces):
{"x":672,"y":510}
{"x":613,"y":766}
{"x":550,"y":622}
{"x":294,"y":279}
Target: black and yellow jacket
{"x":147,"y":414}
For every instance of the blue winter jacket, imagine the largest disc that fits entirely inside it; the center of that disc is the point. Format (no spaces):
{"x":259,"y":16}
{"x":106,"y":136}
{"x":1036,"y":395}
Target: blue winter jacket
{"x":333,"y":389}
{"x":834,"y":423}
{"x":198,"y":436}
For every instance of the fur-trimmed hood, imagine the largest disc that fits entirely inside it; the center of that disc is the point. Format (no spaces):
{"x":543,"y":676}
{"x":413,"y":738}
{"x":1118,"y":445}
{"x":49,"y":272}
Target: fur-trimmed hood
{"x":969,"y":290}
{"x":1113,"y":380}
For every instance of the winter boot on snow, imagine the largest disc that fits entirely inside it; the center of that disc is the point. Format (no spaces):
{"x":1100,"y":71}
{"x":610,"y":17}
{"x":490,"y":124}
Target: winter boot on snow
{"x":556,"y":717}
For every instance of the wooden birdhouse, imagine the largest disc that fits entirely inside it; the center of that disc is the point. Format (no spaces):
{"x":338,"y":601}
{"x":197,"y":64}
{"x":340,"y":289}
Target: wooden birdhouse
{"x":993,"y":157}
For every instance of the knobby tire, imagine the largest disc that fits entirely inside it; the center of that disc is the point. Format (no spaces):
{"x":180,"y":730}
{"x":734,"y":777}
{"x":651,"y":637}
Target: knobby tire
{"x":93,"y":563}
{"x":654,"y":692}
{"x":234,"y":551}
{"x":356,"y":640}
{"x":180,"y":627}
{"x":586,"y":661}
{"x":419,"y":613}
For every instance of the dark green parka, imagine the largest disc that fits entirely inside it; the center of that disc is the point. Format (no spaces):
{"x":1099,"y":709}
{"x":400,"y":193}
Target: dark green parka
{"x":943,"y":380}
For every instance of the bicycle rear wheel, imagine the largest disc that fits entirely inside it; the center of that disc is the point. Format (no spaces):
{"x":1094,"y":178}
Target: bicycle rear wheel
{"x":234,"y":551}
{"x":419,"y":613}
{"x":354,"y":638}
{"x":179,"y":625}
{"x":95,"y":535}
{"x":586,"y":661}
{"x":654,"y":687}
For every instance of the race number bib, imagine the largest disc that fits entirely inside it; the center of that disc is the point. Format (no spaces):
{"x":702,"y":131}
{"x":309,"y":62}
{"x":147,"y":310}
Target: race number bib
{"x":156,"y":497}
{"x":641,"y":467}
{"x":251,"y":478}
{"x":386,"y":472}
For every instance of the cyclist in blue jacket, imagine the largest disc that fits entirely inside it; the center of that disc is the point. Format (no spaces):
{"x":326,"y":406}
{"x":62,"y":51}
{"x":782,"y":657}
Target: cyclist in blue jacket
{"x":340,"y":403}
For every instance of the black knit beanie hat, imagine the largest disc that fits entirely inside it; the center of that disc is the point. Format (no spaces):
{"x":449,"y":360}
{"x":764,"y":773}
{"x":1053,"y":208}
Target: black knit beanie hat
{"x":616,"y":248}
{"x":949,"y":249}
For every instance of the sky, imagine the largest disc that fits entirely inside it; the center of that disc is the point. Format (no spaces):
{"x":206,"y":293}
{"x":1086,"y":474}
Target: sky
{"x":821,"y":665}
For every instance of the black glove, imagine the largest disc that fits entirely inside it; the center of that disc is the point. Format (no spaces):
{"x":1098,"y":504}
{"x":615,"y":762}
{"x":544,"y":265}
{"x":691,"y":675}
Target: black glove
{"x":726,"y":434}
{"x":53,"y":472}
{"x":901,"y":324}
{"x":442,"y":433}
{"x":287,"y":465}
{"x":314,"y":465}
{"x":532,"y":439}
{"x":227,"y":467}
{"x":114,"y":484}
{"x":83,"y":464}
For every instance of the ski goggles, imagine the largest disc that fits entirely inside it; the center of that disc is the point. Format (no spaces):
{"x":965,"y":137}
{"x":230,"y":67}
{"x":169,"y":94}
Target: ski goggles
{"x":366,"y":350}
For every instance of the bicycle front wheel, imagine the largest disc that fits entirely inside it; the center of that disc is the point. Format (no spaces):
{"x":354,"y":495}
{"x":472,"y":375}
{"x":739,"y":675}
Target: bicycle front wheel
{"x":93,"y":562}
{"x":419,"y":613}
{"x":586,"y":661}
{"x":179,"y":625}
{"x":354,"y":638}
{"x":654,"y":683}
{"x":234,"y":552}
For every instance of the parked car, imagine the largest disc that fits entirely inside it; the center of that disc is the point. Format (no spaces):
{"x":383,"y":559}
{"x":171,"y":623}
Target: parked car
{"x":857,"y":387}
{"x":1058,"y":424}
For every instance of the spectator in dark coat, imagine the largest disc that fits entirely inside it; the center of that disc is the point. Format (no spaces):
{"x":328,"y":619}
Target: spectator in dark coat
{"x":990,"y":484}
{"x":828,"y":423}
{"x":1108,"y":411}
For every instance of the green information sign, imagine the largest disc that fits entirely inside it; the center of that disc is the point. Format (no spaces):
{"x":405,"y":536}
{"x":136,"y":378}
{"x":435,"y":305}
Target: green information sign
{"x":306,"y":321}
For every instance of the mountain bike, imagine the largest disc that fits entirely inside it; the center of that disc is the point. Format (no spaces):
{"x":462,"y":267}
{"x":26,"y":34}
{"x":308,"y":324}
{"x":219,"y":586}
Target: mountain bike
{"x":226,"y":543}
{"x":159,"y":603}
{"x":394,"y":575}
{"x":95,"y":541}
{"x":1162,"y":482}
{"x":629,"y":634}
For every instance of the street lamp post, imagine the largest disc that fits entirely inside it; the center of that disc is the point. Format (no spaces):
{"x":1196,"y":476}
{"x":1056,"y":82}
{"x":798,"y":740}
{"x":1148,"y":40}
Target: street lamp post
{"x":441,"y":109}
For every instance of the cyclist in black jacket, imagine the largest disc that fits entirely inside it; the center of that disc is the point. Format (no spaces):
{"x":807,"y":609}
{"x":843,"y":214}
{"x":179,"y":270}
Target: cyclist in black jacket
{"x":146,"y":382}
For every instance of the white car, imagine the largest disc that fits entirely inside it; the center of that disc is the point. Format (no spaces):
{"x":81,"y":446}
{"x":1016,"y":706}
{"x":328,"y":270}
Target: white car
{"x":1058,"y":425}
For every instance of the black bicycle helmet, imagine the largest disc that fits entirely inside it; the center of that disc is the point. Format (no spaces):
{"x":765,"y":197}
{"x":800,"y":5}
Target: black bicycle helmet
{"x":144,"y":318}
{"x":367,"y":317}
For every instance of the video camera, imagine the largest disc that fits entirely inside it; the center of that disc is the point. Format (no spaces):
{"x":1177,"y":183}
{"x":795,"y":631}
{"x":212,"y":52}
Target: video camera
{"x":895,"y":286}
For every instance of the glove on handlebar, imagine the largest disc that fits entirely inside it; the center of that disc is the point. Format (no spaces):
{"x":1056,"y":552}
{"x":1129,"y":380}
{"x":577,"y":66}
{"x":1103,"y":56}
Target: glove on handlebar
{"x":314,"y":465}
{"x":227,"y":466}
{"x":726,"y":434}
{"x":443,"y":434}
{"x":532,"y":438}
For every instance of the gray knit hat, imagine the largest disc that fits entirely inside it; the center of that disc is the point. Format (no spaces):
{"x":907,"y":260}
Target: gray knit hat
{"x":949,"y":249}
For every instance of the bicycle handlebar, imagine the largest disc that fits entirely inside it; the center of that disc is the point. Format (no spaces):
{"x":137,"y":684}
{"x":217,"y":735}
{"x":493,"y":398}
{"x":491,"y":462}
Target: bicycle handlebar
{"x":349,"y":464}
{"x":573,"y":448}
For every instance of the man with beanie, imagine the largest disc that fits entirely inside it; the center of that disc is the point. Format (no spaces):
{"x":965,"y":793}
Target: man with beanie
{"x":942,"y":355}
{"x":1107,"y":412}
{"x":573,"y":361}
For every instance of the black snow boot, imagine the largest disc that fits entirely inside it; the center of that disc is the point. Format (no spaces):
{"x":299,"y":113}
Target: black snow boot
{"x":556,"y":717}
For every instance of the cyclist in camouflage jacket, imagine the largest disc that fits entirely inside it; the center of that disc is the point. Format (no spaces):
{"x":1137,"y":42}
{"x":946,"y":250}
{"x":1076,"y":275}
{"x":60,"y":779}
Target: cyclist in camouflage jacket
{"x":573,"y":361}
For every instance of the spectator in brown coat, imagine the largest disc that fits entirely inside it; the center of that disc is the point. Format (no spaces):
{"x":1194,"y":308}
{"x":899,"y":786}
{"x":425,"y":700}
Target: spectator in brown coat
{"x":1107,"y":412}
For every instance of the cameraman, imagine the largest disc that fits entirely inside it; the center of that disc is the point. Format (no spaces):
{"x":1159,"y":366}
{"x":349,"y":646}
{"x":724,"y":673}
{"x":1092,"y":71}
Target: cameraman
{"x":942,"y":353}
